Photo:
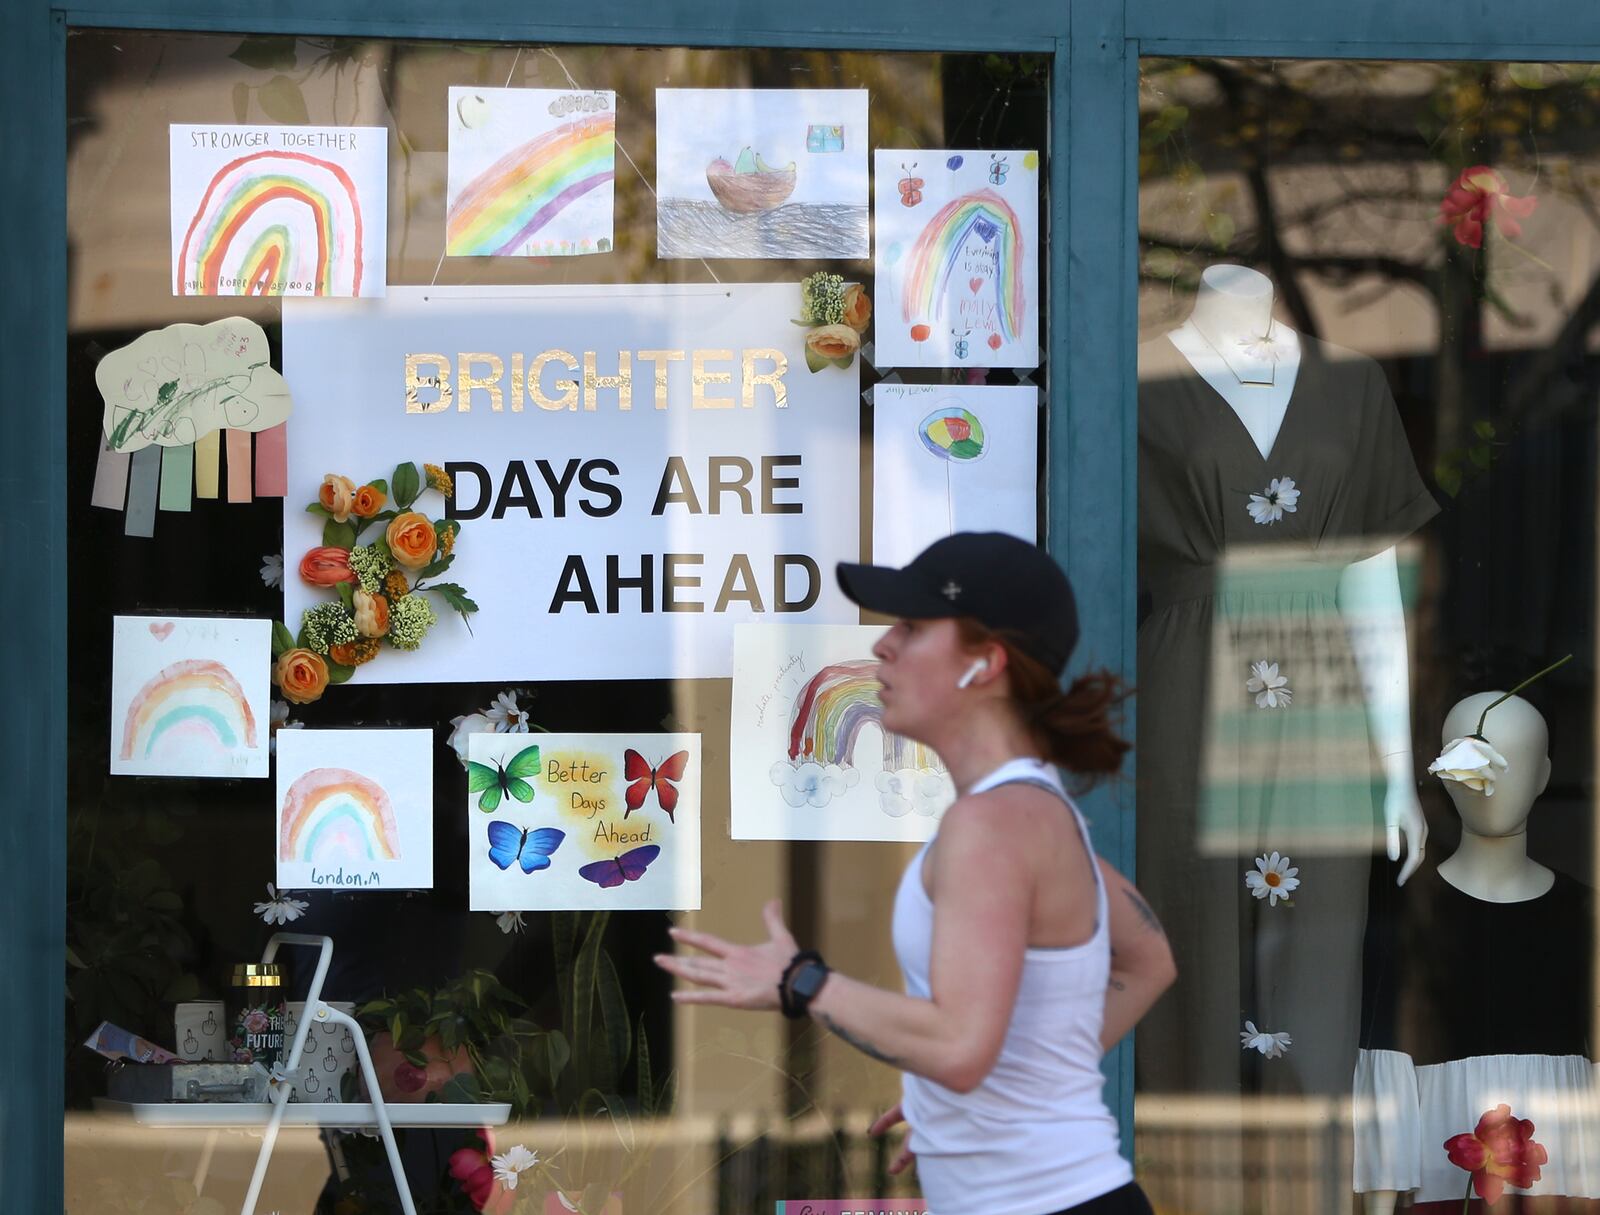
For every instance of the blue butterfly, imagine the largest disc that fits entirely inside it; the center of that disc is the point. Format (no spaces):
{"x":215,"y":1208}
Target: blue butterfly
{"x":530,"y":848}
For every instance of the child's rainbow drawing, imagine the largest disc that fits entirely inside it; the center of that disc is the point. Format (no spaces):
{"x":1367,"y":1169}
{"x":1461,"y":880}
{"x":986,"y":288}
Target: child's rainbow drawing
{"x":831,"y":709}
{"x":807,"y":726}
{"x":355,"y":809}
{"x":189,"y":696}
{"x":193,"y":703}
{"x":336,"y":816}
{"x":938,"y":254}
{"x":276,"y":220}
{"x":511,"y":194}
{"x":957,"y":270}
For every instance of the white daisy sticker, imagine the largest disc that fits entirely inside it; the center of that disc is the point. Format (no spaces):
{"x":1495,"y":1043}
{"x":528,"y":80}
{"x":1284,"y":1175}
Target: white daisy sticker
{"x":1273,"y":878}
{"x":1279,"y":498}
{"x":510,"y":1165}
{"x":1273,"y":1046}
{"x":1270,"y":688}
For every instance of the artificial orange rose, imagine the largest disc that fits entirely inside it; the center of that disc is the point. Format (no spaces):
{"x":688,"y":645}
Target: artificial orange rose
{"x":857,"y":307}
{"x":834,"y":341}
{"x":337,"y":495}
{"x":372,"y":614}
{"x":368,"y":501}
{"x":327,"y":566}
{"x":411,"y":540}
{"x":301,"y":675}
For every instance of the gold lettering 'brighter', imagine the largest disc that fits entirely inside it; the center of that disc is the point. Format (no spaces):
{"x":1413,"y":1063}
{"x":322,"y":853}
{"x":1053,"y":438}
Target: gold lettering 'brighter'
{"x":435,"y":383}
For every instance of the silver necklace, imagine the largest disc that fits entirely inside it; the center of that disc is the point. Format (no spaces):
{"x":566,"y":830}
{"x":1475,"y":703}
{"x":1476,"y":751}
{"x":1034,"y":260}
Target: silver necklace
{"x":1262,"y":347}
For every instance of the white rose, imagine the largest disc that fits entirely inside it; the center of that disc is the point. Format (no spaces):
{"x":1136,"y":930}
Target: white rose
{"x":1473,"y":762}
{"x":471,"y":723}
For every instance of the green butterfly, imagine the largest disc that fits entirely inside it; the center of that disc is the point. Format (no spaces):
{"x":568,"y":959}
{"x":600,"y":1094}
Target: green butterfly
{"x":494,"y":783}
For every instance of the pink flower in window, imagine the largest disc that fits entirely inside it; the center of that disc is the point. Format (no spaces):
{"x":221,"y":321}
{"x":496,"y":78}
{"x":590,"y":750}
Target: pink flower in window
{"x":1481,"y":196}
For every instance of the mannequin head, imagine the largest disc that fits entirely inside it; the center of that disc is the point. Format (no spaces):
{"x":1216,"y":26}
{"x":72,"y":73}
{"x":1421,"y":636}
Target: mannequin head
{"x":1240,"y":282}
{"x":1518,"y":731}
{"x":1233,"y":302}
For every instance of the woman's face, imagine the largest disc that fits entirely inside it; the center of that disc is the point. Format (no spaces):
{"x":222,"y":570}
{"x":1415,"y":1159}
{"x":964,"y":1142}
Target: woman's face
{"x":919,"y":664}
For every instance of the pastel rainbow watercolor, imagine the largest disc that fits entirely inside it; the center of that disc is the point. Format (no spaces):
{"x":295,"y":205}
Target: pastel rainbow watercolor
{"x":332,"y":815}
{"x":270,"y":219}
{"x":937,"y":254}
{"x":523,"y":191}
{"x":196,"y":702}
{"x":830,"y":711}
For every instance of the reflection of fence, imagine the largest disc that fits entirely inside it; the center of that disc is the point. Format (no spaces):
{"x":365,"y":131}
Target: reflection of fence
{"x":760,"y":1162}
{"x":1225,"y":1156}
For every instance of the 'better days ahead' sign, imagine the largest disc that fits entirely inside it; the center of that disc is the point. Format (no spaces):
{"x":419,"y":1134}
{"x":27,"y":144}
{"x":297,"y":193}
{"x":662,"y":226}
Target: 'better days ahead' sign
{"x":637,"y":468}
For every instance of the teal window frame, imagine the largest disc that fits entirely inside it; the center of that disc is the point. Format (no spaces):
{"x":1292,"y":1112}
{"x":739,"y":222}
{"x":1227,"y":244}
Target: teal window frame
{"x":1095,"y":45}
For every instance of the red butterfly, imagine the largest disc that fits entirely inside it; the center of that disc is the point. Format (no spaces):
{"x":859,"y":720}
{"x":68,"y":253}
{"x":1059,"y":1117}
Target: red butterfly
{"x":637,"y":769}
{"x":910,"y":187}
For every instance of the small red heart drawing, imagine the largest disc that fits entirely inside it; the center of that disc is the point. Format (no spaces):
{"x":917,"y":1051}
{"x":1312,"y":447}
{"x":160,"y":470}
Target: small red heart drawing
{"x":994,"y":341}
{"x":162,"y":631}
{"x":976,"y":284}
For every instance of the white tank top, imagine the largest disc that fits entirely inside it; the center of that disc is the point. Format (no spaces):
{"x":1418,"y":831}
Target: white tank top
{"x":1035,"y":1136}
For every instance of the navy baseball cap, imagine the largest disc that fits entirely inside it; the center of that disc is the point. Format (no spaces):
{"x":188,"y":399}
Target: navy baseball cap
{"x":1013,"y":587}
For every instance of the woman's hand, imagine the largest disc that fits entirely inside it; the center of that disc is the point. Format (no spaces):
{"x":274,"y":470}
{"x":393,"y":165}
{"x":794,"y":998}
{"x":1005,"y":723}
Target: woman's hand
{"x":887,"y":1120}
{"x":735,"y":976}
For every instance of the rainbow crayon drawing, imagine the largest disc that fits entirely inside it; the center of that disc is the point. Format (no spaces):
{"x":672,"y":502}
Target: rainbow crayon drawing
{"x":252,"y":214}
{"x":195,"y":704}
{"x":957,"y":259}
{"x":827,"y":717}
{"x":333,"y":816}
{"x":811,"y":755}
{"x":509,"y":204}
{"x":942,"y":251}
{"x":355,"y":809}
{"x":189,"y":696}
{"x":530,"y":172}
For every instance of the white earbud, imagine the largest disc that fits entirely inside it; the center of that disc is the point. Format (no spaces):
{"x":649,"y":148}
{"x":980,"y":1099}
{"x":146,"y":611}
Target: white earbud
{"x":981,"y":664}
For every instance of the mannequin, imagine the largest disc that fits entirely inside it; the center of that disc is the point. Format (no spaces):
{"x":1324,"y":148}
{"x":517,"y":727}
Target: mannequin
{"x":1274,"y":480}
{"x":1492,"y":867}
{"x":1252,"y":361}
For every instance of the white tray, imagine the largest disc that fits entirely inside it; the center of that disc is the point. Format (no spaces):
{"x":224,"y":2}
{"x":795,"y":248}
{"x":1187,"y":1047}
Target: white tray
{"x":352,"y":1115}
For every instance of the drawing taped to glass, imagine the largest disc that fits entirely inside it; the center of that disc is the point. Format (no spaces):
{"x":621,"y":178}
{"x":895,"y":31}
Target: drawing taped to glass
{"x":531,"y":172}
{"x":949,"y":458}
{"x":811,"y":759}
{"x":957,"y":258}
{"x":355,"y":809}
{"x":591,"y":823}
{"x":278,"y":210}
{"x":761,"y":173}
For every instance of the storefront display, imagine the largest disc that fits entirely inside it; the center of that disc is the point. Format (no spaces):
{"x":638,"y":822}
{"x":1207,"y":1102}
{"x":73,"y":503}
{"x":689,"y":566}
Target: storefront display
{"x":464,"y":577}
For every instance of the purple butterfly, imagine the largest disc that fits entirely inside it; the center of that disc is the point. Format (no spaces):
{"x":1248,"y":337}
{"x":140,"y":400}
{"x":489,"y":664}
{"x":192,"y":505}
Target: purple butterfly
{"x":613,"y":871}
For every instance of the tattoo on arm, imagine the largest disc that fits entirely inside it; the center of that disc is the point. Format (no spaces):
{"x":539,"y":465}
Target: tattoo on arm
{"x":861,"y":1044}
{"x":1118,"y":985}
{"x":1146,"y":916}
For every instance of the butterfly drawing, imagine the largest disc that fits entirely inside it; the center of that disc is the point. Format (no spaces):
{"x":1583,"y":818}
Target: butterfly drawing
{"x":998,"y":169}
{"x":494,"y":783}
{"x":529,"y":847}
{"x":910,"y":187}
{"x":637,"y":770}
{"x":613,"y":871}
{"x":962,"y":342}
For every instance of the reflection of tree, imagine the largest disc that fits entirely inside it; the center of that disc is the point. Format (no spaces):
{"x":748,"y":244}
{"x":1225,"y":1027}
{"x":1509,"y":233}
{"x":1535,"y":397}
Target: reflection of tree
{"x":1331,"y":175}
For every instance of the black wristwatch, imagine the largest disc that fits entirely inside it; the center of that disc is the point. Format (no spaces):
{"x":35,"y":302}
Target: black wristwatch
{"x":802,"y":980}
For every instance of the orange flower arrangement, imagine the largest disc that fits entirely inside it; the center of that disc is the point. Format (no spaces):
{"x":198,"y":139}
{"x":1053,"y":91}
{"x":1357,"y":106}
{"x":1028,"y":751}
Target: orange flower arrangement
{"x":383,"y":586}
